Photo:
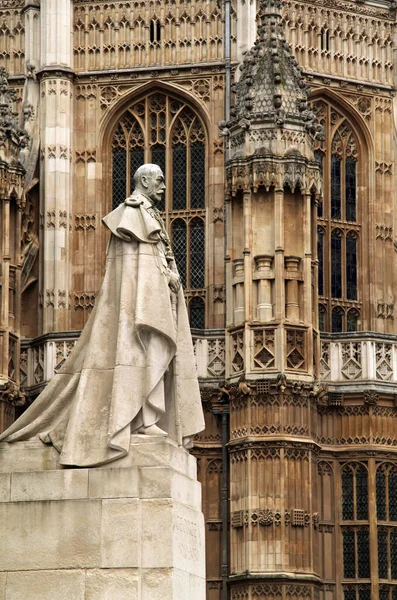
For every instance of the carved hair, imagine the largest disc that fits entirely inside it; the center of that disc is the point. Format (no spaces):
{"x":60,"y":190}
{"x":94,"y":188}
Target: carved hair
{"x":147,"y":169}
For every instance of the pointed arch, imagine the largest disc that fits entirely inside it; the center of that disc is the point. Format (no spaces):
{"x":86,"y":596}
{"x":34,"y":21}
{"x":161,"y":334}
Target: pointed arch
{"x":344,"y":216}
{"x":157,"y":124}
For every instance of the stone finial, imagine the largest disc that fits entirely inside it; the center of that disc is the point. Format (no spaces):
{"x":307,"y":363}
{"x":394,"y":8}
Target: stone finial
{"x":271,"y":90}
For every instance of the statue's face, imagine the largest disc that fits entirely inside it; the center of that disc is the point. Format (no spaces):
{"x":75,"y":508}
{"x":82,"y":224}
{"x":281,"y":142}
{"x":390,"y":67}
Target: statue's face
{"x":154,"y":185}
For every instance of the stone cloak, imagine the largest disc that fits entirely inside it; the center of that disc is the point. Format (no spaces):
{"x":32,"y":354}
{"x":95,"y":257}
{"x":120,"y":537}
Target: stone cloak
{"x":129,"y":346}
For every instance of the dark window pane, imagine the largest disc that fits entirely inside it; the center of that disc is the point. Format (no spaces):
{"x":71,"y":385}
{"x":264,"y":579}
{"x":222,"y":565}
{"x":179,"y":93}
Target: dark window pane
{"x":363,"y":554}
{"x":350,"y":189}
{"x":119,"y":176}
{"x":351,"y":267}
{"x":179,"y":177}
{"x":179,"y":246}
{"x":335,"y":188}
{"x":361,"y":493}
{"x":197,"y":175}
{"x":336,"y":266}
{"x":137,"y":159}
{"x":337,"y":319}
{"x":392,"y":495}
{"x":197,"y":254}
{"x":349,"y":594}
{"x":321,"y":318}
{"x":394,"y":592}
{"x":347,"y":494}
{"x":197,"y":313}
{"x":352,"y":320}
{"x":382,"y":555}
{"x":393,"y":553}
{"x":364,"y":592}
{"x":380,"y":495}
{"x":349,"y":570}
{"x":384,"y":593}
{"x":158,"y":158}
{"x":320,"y":253}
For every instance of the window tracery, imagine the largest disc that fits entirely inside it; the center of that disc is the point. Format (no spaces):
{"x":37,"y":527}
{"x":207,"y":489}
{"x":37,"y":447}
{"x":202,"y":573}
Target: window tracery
{"x":339,"y":226}
{"x":163,"y":130}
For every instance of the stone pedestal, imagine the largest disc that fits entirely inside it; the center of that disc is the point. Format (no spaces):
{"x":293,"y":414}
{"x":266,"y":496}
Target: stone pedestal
{"x":132,"y":529}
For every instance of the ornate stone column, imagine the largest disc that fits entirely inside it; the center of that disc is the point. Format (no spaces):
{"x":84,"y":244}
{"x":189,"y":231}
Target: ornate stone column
{"x":56,"y":118}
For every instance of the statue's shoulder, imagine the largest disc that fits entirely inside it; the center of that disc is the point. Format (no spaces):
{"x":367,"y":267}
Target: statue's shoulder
{"x":130,"y":221}
{"x":135,"y":200}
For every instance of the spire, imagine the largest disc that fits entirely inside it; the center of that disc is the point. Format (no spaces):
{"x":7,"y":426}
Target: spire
{"x":271,"y":92}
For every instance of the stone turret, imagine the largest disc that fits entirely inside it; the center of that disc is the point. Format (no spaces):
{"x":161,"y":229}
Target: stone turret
{"x":271,"y":95}
{"x":273,"y":185}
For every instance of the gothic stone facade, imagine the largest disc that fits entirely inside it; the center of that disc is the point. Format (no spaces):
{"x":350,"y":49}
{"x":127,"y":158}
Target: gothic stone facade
{"x":290,"y":286}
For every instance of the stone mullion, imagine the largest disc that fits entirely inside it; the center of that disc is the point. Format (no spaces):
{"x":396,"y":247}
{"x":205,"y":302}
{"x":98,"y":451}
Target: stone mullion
{"x":338,"y":533}
{"x":373,"y":534}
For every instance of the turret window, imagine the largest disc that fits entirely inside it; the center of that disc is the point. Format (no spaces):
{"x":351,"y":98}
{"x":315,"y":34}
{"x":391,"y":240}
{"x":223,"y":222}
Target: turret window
{"x":338,"y":223}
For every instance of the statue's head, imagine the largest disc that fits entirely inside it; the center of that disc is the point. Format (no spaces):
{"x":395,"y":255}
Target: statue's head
{"x":149,"y":180}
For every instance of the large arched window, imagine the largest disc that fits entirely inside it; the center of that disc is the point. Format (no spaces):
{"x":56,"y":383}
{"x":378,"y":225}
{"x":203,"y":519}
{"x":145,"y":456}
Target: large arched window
{"x":339,"y":226}
{"x":164,"y":130}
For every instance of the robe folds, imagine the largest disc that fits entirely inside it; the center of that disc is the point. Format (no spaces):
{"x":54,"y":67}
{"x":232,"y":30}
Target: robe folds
{"x":134,"y":354}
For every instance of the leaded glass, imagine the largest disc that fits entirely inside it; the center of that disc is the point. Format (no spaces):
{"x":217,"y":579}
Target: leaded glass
{"x":347,"y":494}
{"x":119,"y":177}
{"x":321,"y":317}
{"x":394,"y":592}
{"x":393,"y":553}
{"x":352,"y":320}
{"x":382,"y":554}
{"x":349,"y":570}
{"x":179,"y":245}
{"x":158,"y":158}
{"x":197,"y":175}
{"x":197,"y":313}
{"x":384,"y":593}
{"x":381,"y":494}
{"x":320,"y":254}
{"x":364,"y":592}
{"x":350,"y":189}
{"x":137,"y":158}
{"x":197,"y":254}
{"x":392,"y":485}
{"x":349,"y":594}
{"x":351,"y":267}
{"x":361,"y":493}
{"x":363,"y":553}
{"x":336,"y":265}
{"x":179,"y":177}
{"x":337,"y":319}
{"x":335,"y":188}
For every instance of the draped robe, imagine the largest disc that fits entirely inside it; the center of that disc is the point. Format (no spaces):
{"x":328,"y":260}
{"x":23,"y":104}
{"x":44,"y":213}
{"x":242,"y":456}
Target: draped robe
{"x":133,"y":364}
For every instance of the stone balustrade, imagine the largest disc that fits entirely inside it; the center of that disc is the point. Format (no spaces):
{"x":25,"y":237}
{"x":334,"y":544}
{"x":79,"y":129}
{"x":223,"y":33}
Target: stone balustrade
{"x":347,"y":359}
{"x":43,"y":356}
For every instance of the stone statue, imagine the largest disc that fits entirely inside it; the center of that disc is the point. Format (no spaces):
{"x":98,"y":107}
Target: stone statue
{"x":132,"y":370}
